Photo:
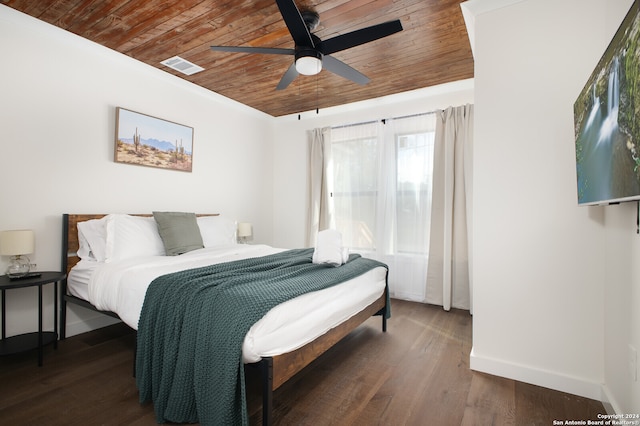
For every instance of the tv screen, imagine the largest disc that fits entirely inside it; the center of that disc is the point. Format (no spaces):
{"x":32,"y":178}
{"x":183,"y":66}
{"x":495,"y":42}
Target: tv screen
{"x":607,"y":121}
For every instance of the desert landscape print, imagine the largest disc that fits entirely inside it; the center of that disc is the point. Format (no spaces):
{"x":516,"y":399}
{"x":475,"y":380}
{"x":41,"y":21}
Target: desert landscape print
{"x":149,"y":141}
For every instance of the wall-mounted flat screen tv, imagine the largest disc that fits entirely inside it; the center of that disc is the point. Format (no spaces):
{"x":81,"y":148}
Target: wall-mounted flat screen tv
{"x":607,"y":121}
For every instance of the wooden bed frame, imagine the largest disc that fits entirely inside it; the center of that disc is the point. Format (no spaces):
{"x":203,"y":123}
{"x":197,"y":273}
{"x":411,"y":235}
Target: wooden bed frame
{"x":274,"y":370}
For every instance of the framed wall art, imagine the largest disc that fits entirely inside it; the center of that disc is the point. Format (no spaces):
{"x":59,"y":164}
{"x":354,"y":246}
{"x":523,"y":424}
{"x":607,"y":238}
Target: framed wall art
{"x":149,"y":141}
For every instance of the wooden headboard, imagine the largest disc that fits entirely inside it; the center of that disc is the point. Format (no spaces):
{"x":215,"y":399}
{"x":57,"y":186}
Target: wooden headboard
{"x":70,"y":244}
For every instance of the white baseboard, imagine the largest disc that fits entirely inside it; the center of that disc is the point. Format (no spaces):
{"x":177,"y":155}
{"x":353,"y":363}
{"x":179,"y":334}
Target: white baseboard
{"x":526,"y":374}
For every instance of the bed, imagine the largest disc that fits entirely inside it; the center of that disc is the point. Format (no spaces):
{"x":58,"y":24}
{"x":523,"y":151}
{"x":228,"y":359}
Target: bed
{"x":283,"y":342}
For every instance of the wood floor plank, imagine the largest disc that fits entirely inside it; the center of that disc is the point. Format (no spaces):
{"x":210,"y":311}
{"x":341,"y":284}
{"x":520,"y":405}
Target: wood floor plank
{"x":417,"y":373}
{"x":491,"y":401}
{"x":538,"y":405}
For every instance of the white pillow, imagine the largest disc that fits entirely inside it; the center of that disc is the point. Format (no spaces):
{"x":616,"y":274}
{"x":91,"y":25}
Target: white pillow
{"x":132,"y":236}
{"x":92,"y":239}
{"x":329,"y":248}
{"x":217,"y":230}
{"x":84,"y":251}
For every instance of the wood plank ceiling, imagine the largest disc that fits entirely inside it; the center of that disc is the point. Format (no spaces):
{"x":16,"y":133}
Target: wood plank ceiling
{"x":432,"y":49}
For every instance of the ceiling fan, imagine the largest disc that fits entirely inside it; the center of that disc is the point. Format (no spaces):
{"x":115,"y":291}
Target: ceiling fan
{"x":312,"y":54}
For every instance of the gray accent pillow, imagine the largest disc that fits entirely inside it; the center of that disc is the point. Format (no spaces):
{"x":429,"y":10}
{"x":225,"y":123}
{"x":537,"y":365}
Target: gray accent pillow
{"x":179,"y":232}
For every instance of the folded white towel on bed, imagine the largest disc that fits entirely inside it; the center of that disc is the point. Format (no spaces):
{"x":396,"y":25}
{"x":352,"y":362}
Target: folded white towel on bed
{"x":329,"y":248}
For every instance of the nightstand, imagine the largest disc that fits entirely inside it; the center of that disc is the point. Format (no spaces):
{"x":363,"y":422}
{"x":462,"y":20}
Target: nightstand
{"x":29,"y":341}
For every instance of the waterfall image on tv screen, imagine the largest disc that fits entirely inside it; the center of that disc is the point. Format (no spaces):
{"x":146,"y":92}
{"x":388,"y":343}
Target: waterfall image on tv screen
{"x":607,"y":121}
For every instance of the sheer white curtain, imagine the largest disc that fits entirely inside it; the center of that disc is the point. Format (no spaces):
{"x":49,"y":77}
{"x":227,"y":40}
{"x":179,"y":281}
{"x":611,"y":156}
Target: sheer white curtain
{"x":448,"y":280}
{"x":407,"y":168}
{"x":355,"y":158}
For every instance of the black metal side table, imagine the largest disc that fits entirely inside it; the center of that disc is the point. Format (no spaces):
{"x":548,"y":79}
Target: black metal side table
{"x":29,"y":341}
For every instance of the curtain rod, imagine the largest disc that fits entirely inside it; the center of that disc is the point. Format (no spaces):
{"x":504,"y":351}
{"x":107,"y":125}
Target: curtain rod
{"x":383,"y":120}
{"x":354,"y":124}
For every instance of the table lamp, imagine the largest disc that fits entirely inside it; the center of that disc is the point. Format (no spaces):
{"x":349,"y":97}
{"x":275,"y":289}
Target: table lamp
{"x":17,"y":244}
{"x":244,"y":232}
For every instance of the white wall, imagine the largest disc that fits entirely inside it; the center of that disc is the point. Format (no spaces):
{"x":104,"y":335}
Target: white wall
{"x":554,"y":283}
{"x":624,"y":329}
{"x":291,"y":147}
{"x":621,"y":301}
{"x":58,"y":95}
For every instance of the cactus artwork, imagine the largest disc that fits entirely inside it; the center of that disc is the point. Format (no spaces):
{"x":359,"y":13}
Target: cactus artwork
{"x":136,"y":139}
{"x":145,"y":140}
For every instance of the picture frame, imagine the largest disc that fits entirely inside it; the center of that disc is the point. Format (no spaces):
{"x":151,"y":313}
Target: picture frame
{"x":145,"y":140}
{"x":606,"y":122}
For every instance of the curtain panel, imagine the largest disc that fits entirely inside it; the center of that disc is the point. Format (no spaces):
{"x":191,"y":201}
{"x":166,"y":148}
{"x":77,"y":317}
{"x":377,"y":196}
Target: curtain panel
{"x":320,"y":183}
{"x":448,"y":272}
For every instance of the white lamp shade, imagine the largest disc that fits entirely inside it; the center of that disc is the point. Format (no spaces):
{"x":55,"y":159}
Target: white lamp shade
{"x":13,"y":243}
{"x":308,"y":65}
{"x":244,"y":229}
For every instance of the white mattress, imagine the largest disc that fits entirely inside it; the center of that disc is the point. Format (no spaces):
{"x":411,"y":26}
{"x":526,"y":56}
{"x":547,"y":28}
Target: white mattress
{"x":120,"y":287}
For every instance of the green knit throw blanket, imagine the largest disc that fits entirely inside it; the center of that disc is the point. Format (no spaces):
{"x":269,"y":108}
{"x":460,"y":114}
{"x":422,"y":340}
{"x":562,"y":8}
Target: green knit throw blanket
{"x":193,"y":324}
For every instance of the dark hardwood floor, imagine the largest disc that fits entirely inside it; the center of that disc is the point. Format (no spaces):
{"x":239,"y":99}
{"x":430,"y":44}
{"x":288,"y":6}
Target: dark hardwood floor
{"x":415,"y":374}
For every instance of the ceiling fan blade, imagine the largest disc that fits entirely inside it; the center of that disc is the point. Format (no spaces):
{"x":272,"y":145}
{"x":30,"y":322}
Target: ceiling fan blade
{"x":338,"y":67}
{"x":295,"y":23}
{"x":288,"y":77}
{"x":358,"y":37}
{"x":251,"y":49}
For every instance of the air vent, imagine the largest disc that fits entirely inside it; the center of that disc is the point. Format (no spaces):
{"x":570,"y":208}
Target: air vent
{"x":182,"y":65}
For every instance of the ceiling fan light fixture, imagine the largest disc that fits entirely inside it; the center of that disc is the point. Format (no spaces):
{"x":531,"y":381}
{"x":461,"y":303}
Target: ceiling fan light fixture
{"x":309,"y":63}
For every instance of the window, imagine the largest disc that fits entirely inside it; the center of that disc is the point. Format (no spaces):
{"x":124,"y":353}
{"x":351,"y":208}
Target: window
{"x":355,"y":191}
{"x":382,"y":186}
{"x":374,"y":183}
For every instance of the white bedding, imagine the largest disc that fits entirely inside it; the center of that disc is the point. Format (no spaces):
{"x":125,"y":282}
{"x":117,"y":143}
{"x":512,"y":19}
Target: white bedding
{"x":120,"y":287}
